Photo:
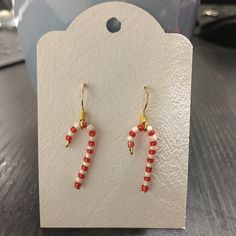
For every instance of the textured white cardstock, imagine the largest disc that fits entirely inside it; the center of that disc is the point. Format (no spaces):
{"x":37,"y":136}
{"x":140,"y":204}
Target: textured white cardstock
{"x":116,"y":66}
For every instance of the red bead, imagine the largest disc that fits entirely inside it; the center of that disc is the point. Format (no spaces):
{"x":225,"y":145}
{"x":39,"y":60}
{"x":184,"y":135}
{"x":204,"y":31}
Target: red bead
{"x":153,"y":143}
{"x":141,"y":127}
{"x":147,"y":179}
{"x":84,"y":124}
{"x":148,"y":169}
{"x":144,"y":188}
{"x":83,"y":167}
{"x":149,"y":160}
{"x":77,"y":185}
{"x":87,"y":160}
{"x":152,"y":152}
{"x":152,"y":132}
{"x":132,"y":133}
{"x":131,"y":144}
{"x":92,"y":133}
{"x":89,"y":151}
{"x":68,"y":138}
{"x":73,"y":129}
{"x":81,"y":176}
{"x":91,"y":143}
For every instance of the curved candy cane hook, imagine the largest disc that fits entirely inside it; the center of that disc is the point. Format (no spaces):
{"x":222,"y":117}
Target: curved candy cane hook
{"x":144,"y":127}
{"x":82,"y":124}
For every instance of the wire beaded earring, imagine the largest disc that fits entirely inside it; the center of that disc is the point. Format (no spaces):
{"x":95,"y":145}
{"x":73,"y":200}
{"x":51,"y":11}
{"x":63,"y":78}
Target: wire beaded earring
{"x":152,"y":142}
{"x":82,"y":124}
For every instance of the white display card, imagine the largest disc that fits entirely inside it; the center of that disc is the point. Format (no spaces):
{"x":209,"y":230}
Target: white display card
{"x":115,"y":67}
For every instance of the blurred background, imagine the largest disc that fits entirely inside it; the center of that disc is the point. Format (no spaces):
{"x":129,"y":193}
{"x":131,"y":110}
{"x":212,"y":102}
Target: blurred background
{"x":211,"y":27}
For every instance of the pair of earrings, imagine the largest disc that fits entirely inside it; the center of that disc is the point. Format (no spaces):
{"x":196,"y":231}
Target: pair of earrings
{"x":142,"y":127}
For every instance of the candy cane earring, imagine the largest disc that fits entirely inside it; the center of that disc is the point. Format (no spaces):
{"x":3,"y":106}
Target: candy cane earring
{"x":152,"y":150}
{"x":82,"y":124}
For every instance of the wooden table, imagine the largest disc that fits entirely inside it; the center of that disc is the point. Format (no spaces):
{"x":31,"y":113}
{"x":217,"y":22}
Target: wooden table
{"x":212,"y":164}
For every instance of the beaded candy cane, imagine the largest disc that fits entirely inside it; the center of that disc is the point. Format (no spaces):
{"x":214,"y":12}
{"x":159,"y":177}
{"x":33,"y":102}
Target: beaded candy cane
{"x":143,"y":127}
{"x":91,"y":143}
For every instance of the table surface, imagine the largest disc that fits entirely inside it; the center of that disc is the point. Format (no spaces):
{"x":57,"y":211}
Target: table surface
{"x":212,"y":161}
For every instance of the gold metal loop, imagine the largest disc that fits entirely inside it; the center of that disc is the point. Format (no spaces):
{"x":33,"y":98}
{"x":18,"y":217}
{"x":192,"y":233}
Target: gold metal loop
{"x":82,"y":96}
{"x":67,"y":143}
{"x":131,"y":150}
{"x":82,"y":112}
{"x":146,"y":99}
{"x":143,"y":117}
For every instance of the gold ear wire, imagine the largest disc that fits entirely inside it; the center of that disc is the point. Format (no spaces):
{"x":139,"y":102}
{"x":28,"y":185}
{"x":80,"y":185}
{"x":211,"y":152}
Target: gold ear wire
{"x":146,"y":98}
{"x":82,"y":112}
{"x":143,"y":117}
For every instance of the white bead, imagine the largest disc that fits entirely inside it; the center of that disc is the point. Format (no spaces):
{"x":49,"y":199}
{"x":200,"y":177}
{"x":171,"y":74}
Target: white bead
{"x":147,"y":174}
{"x":90,"y":148}
{"x":78,"y":180}
{"x":135,"y":129}
{"x":149,"y":128}
{"x":130,"y":139}
{"x":151,"y":156}
{"x":82,"y":172}
{"x":88,"y":155}
{"x":152,"y":148}
{"x":77,"y":125}
{"x":86,"y":164}
{"x":149,"y":164}
{"x":70,"y":133}
{"x":90,"y":127}
{"x":145,"y":183}
{"x":91,"y":138}
{"x":153,"y":137}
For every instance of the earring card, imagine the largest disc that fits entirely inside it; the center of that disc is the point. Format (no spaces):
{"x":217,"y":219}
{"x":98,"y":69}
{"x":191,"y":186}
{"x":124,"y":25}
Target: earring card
{"x":115,"y":67}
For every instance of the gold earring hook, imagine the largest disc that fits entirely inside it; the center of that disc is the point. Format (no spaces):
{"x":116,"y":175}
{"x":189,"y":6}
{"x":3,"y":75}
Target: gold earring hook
{"x":143,"y":117}
{"x":82,"y":112}
{"x":146,"y":99}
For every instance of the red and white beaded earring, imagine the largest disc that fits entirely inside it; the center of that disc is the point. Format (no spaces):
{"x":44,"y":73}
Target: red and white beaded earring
{"x":152,"y":150}
{"x":82,"y":124}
